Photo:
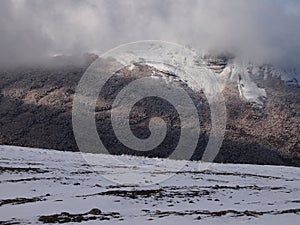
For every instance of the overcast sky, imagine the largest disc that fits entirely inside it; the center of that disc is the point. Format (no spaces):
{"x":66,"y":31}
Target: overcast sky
{"x":267,"y":31}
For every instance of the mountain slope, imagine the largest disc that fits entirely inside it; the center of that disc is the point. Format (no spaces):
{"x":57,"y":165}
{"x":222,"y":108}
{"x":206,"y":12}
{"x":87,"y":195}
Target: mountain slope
{"x":262,"y":109}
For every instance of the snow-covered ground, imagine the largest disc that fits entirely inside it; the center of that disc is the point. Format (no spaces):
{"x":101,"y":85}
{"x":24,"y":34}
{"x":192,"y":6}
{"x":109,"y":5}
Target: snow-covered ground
{"x":40,"y":186}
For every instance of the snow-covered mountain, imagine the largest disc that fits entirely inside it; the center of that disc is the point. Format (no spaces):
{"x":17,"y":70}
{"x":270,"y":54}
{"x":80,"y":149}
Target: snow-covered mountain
{"x":48,"y":186}
{"x":262,"y":105}
{"x":176,"y":61}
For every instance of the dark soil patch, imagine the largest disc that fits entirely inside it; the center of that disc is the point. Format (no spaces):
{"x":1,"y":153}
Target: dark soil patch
{"x":234,"y":213}
{"x":65,"y":217}
{"x":20,"y":170}
{"x":30,"y":179}
{"x":19,"y":201}
{"x":153,"y":193}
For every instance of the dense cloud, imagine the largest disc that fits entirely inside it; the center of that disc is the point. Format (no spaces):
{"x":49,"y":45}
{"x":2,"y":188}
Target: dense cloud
{"x":267,"y":31}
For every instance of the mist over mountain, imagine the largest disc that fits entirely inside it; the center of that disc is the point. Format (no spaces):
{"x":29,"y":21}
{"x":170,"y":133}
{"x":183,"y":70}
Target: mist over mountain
{"x":259,"y":31}
{"x":252,"y":46}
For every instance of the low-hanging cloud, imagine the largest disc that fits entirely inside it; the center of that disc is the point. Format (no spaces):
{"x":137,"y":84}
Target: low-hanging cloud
{"x":264,"y":31}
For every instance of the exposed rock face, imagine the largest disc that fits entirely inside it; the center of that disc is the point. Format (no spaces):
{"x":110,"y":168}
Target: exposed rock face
{"x":36,"y":111}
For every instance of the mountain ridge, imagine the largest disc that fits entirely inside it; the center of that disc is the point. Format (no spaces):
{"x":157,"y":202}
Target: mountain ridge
{"x":36,"y":106}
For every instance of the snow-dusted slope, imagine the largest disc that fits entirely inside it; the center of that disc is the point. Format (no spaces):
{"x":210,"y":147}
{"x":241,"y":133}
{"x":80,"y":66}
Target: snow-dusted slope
{"x":247,"y":75}
{"x":50,"y":186}
{"x":188,"y":66}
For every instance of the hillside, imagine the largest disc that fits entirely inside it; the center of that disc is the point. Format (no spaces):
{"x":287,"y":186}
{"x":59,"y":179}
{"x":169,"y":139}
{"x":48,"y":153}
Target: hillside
{"x":36,"y":110}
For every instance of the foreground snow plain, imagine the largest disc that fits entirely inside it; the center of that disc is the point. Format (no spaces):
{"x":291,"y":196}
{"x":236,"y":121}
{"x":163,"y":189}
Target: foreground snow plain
{"x":47,"y":186}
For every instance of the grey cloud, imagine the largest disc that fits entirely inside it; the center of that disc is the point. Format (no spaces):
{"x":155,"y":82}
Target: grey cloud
{"x":265,"y":31}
